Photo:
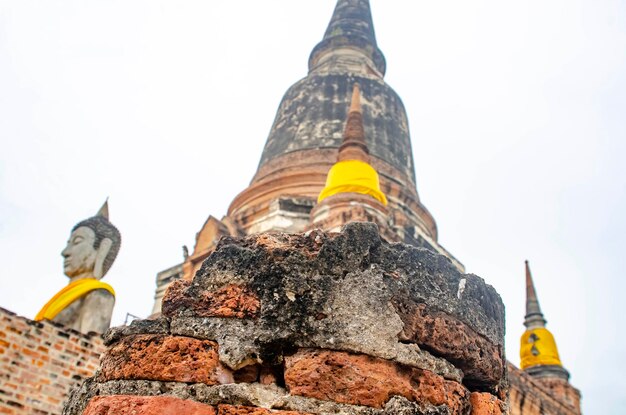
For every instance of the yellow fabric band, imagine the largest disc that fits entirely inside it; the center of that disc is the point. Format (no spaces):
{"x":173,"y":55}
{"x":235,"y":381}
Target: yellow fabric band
{"x":538,"y":347}
{"x":353,"y":176}
{"x":70,"y":293}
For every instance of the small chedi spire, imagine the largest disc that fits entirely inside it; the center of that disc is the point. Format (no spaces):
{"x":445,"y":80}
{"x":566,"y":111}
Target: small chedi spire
{"x":352,"y":173}
{"x":538,"y":351}
{"x":354,"y":146}
{"x":534,"y":316}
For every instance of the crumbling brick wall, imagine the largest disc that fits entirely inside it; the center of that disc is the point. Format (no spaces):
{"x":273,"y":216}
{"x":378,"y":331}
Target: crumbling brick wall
{"x":313,"y":323}
{"x":533,"y":396}
{"x":40,"y":362}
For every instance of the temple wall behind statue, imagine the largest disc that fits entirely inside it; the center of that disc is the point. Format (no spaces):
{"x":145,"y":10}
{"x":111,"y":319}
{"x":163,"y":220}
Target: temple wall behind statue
{"x":40,"y":362}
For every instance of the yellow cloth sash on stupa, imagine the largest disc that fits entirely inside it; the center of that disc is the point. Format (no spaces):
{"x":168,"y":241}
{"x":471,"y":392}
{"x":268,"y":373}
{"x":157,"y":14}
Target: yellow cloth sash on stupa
{"x":353,"y":176}
{"x":70,"y":293}
{"x":540,"y":349}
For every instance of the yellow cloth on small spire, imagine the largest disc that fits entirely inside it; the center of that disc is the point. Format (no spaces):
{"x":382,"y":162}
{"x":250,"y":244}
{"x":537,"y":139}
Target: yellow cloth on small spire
{"x":70,"y":293}
{"x":352,"y":176}
{"x":537,"y":347}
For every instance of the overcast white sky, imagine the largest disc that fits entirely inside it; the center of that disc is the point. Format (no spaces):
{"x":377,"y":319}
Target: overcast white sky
{"x":518,"y":121}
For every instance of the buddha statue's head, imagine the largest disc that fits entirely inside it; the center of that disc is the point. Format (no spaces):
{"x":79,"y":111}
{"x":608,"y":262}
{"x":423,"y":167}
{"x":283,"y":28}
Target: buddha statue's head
{"x":92,"y":247}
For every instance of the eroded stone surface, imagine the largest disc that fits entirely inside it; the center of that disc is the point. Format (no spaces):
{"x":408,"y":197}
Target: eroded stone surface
{"x":301,"y":282}
{"x":145,"y":405}
{"x":482,"y":362}
{"x":271,"y":397}
{"x":244,"y":343}
{"x":364,"y":380}
{"x":249,"y":410}
{"x":399,"y":405}
{"x":157,"y":326}
{"x":166,"y":358}
{"x":309,"y":119}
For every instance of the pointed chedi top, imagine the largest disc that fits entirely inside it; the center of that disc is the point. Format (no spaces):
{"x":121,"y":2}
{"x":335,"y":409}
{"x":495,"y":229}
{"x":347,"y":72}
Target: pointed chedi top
{"x":351,"y":27}
{"x":534,"y":317}
{"x":104,"y":210}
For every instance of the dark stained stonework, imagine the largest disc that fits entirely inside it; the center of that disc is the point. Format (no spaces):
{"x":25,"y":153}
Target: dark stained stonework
{"x":313,"y":113}
{"x":157,"y":326}
{"x":301,"y":282}
{"x":315,"y":323}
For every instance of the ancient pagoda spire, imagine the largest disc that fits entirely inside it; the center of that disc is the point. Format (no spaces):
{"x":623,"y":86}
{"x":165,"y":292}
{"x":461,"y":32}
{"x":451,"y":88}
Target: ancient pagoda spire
{"x":354,"y":18}
{"x":534,"y":317}
{"x":310,"y":126}
{"x":352,"y":173}
{"x":538,"y":351}
{"x":351,"y":28}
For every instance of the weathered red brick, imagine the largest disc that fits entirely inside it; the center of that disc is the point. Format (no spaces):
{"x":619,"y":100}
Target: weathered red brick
{"x":481,"y":361}
{"x":229,"y":301}
{"x":174,"y":297}
{"x":485,"y":404}
{"x":364,"y":380}
{"x":145,"y":405}
{"x":34,"y":359}
{"x":164,"y":358}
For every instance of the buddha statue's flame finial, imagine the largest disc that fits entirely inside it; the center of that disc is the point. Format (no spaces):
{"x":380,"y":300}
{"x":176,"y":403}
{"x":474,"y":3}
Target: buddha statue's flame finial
{"x":104,"y":209}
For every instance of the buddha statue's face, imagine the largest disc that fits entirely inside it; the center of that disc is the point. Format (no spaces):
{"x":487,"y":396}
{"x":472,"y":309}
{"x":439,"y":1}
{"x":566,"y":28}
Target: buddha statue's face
{"x":79,"y":254}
